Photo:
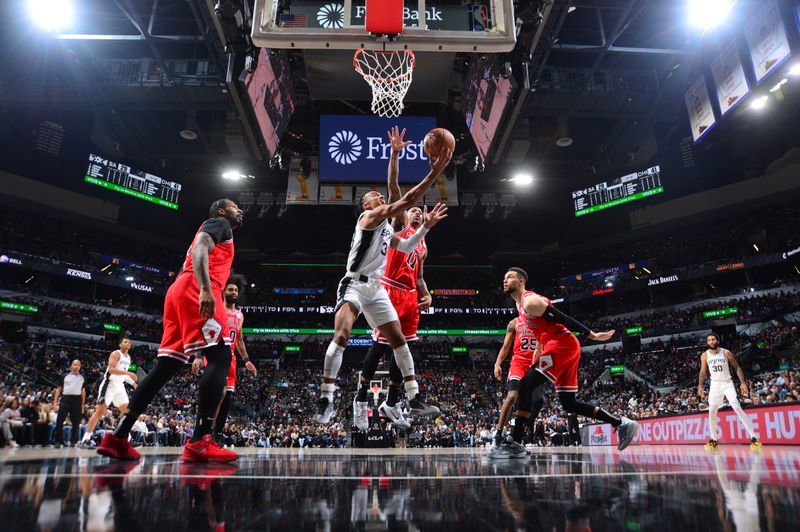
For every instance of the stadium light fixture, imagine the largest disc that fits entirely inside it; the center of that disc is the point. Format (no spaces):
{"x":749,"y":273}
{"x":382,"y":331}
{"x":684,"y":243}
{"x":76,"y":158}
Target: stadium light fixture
{"x":795,"y":69}
{"x":755,"y":247}
{"x":759,"y":103}
{"x":522,"y":180}
{"x":231,"y":174}
{"x":51,"y":15}
{"x":708,"y":14}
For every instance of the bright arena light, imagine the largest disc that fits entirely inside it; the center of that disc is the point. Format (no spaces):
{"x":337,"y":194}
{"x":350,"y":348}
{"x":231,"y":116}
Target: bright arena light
{"x":522,"y":179}
{"x":51,"y":15}
{"x":708,"y":14}
{"x":795,"y":70}
{"x":759,"y":102}
{"x":232,"y":174}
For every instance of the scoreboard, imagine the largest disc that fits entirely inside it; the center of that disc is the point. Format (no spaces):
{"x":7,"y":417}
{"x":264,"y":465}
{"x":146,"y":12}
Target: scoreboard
{"x":126,"y":180}
{"x":625,"y":189}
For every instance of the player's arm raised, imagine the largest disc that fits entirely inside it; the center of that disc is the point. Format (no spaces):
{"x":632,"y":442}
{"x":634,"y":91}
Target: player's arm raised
{"x":425,"y":298}
{"x":508,"y":341}
{"x":408,"y":245}
{"x":739,"y":372}
{"x":537,"y":306}
{"x":703,"y":375}
{"x":410,"y":198}
{"x":242,"y":349}
{"x":398,"y":145}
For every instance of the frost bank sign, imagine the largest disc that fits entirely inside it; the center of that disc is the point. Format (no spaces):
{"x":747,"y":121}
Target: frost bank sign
{"x":330,"y":15}
{"x":356,"y":148}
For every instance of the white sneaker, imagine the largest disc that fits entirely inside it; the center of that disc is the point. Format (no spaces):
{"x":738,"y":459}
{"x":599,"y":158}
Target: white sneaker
{"x":626,"y":432}
{"x":325,"y":411}
{"x":360,"y":419}
{"x":395,"y":416}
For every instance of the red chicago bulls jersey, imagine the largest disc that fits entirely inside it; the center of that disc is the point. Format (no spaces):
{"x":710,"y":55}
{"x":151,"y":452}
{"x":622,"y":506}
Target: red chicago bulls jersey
{"x":221,"y":257}
{"x":543,"y":330}
{"x":402,"y":269}
{"x":235,"y":321}
{"x":524,"y":341}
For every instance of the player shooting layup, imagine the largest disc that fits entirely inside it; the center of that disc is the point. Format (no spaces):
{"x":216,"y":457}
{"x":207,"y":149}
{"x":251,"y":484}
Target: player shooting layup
{"x":361,"y":290}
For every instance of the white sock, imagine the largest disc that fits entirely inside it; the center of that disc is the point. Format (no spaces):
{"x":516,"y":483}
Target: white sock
{"x":87,"y":436}
{"x":333,"y":360}
{"x":327,"y":390}
{"x":402,"y":355}
{"x":412,"y":389}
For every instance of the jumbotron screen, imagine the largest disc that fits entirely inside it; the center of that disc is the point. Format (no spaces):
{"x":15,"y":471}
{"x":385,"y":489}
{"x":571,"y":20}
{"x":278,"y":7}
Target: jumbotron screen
{"x":631,"y":187}
{"x":126,"y":180}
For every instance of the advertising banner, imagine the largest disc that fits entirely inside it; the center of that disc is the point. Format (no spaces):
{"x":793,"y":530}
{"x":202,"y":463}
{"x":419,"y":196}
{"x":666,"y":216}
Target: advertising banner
{"x":355,"y":148}
{"x":777,"y":425}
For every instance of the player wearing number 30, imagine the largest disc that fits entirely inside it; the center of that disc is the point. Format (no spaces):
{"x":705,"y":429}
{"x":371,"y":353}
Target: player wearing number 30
{"x":361,"y":291}
{"x":717,"y":362}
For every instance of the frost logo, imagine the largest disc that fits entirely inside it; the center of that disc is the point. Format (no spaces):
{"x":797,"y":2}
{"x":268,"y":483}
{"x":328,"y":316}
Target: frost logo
{"x":345,"y":147}
{"x":331,"y":16}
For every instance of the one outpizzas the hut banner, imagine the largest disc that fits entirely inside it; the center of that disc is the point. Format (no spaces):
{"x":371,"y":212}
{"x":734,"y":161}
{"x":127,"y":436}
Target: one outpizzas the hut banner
{"x":776,"y":425}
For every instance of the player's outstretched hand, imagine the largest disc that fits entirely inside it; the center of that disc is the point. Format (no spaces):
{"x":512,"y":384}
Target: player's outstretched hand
{"x":498,"y":372}
{"x":251,"y":368}
{"x":396,"y":139}
{"x":207,"y":303}
{"x":438,"y":213}
{"x":604,"y":336}
{"x":440,"y":163}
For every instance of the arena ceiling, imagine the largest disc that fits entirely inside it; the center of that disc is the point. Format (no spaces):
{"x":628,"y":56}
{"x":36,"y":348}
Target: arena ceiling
{"x":130,"y":75}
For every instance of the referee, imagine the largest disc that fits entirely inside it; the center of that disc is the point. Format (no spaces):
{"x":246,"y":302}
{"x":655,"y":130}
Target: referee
{"x":73,"y":394}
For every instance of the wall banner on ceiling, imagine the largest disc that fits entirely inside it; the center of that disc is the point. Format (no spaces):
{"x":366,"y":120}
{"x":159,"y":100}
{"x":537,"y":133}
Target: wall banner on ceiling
{"x":698,"y":104}
{"x":766,"y":38}
{"x":729,"y":78}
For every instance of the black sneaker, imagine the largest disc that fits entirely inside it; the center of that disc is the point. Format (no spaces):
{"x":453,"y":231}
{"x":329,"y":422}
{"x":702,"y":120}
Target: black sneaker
{"x":418,"y":408}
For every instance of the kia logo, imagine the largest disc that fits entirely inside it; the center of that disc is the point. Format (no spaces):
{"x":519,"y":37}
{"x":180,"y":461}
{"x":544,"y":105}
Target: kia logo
{"x":345,"y":147}
{"x":331,"y":16}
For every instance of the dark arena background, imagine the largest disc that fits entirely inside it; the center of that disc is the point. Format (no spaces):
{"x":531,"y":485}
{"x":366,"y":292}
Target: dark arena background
{"x":608,"y":309}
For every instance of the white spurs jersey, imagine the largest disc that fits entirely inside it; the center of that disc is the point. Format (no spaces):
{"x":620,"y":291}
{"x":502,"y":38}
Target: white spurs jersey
{"x":123,"y":364}
{"x":718,"y":366}
{"x":368,"y":250}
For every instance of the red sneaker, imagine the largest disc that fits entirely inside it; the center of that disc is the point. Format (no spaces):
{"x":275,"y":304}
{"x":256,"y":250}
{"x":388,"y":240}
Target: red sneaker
{"x":203,"y":475}
{"x":117,"y":448}
{"x":207,"y":450}
{"x":112,"y":475}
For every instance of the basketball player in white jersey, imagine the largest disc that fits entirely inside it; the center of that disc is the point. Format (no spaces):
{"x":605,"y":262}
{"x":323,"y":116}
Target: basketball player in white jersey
{"x":112,"y":389}
{"x":361,"y":291}
{"x":717,"y":362}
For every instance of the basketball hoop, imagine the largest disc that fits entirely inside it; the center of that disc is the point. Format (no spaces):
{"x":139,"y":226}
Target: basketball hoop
{"x":389,"y":75}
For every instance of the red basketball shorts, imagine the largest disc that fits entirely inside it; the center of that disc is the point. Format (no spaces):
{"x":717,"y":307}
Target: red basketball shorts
{"x":407,"y":306}
{"x":185,"y":331}
{"x":519,"y":367}
{"x":559,"y":362}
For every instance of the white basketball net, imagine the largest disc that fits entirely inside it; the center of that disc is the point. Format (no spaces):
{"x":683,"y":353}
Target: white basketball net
{"x":389,"y":75}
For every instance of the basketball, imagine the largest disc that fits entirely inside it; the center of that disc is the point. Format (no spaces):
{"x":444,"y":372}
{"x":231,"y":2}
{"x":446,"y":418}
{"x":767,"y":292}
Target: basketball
{"x":437,"y":140}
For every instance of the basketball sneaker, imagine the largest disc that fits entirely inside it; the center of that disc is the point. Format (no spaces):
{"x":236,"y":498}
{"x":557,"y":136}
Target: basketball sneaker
{"x":113,"y":474}
{"x":360,"y":419}
{"x":626,"y":432}
{"x":418,"y":408}
{"x":203,"y":475}
{"x":325,"y":411}
{"x":712,"y":445}
{"x":508,"y":451}
{"x":86,"y":444}
{"x":755,"y":444}
{"x":117,"y":448}
{"x":206,"y":450}
{"x":395,"y":416}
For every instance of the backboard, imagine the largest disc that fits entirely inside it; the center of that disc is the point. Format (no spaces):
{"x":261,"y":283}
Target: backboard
{"x":430,"y":26}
